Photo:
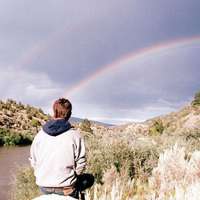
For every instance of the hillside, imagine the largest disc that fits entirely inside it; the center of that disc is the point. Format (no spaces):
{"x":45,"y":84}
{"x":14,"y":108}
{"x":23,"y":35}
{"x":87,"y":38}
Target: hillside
{"x":182,"y":126}
{"x":19,"y":117}
{"x":28,"y":119}
{"x":185,"y":120}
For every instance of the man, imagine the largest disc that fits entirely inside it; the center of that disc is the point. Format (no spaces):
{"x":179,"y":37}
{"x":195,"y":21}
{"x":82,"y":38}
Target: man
{"x":58,"y":155}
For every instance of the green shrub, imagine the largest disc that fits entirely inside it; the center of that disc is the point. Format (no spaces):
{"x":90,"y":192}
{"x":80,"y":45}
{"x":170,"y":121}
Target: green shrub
{"x":157,"y":128}
{"x":144,"y":160}
{"x":10,"y":138}
{"x":35,"y":123}
{"x":102,"y":156}
{"x":196,"y":101}
{"x":86,"y":126}
{"x":3,"y":133}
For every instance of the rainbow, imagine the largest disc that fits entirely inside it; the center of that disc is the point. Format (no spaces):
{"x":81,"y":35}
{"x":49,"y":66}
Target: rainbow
{"x":151,"y":50}
{"x":41,"y":47}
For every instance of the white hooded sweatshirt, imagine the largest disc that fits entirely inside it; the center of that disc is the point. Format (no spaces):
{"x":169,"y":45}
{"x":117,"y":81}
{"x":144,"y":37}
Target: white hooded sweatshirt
{"x":57,"y":159}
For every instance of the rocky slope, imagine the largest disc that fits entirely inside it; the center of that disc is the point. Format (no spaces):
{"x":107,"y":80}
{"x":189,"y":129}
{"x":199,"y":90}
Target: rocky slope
{"x":185,"y":120}
{"x":20,"y":118}
{"x":25,"y":118}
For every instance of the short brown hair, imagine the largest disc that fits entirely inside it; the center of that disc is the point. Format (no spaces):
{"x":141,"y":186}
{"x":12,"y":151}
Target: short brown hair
{"x":62,"y":108}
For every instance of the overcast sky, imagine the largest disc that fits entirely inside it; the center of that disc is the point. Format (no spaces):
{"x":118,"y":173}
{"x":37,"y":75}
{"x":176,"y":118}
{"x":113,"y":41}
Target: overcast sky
{"x":48,"y":47}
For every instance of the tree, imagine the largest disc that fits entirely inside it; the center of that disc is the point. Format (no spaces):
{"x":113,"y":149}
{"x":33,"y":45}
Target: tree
{"x":86,"y":126}
{"x":196,"y":101}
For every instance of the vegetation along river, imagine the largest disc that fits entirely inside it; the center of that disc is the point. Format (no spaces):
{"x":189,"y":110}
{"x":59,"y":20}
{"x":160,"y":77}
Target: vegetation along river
{"x":10,"y":159}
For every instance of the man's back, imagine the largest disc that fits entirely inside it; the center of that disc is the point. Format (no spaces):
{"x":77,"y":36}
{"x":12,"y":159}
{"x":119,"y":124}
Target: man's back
{"x":56,"y":159}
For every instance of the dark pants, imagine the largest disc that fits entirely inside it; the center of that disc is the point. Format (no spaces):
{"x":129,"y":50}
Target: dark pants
{"x":83,"y":182}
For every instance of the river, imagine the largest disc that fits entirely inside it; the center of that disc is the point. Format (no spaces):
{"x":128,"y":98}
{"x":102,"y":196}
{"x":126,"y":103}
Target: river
{"x":10,"y":159}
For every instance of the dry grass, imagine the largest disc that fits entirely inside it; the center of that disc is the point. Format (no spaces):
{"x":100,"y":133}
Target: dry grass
{"x":123,"y":168}
{"x":25,"y":187}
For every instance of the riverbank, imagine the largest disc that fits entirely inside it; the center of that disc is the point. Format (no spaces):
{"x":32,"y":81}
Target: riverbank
{"x":10,"y":159}
{"x":12,"y":138}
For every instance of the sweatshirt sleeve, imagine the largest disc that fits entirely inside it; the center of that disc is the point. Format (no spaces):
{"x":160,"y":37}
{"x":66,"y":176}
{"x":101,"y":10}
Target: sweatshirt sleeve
{"x":32,"y":157}
{"x":80,"y":159}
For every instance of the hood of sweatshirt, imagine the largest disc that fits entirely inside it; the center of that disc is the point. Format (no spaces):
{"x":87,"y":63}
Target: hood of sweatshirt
{"x":56,"y":127}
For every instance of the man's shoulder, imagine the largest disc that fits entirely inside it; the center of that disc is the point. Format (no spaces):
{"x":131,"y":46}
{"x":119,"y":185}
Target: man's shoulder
{"x":40,"y":133}
{"x":74,"y":132}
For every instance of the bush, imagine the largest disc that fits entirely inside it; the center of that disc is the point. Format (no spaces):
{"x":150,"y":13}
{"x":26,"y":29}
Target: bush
{"x":9,"y":138}
{"x":192,"y":135}
{"x":157,"y":128}
{"x":20,"y":106}
{"x":86,"y":126}
{"x":35,"y":123}
{"x":2,"y":134}
{"x":196,"y":101}
{"x":138,"y":162}
{"x":175,"y":174}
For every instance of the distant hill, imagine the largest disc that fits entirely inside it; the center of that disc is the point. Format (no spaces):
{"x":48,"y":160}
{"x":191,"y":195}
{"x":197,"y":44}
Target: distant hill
{"x":79,"y":120}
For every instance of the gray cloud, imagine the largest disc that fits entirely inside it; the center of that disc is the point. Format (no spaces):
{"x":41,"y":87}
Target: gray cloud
{"x":30,"y":88}
{"x":145,"y":87}
{"x":66,"y":41}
